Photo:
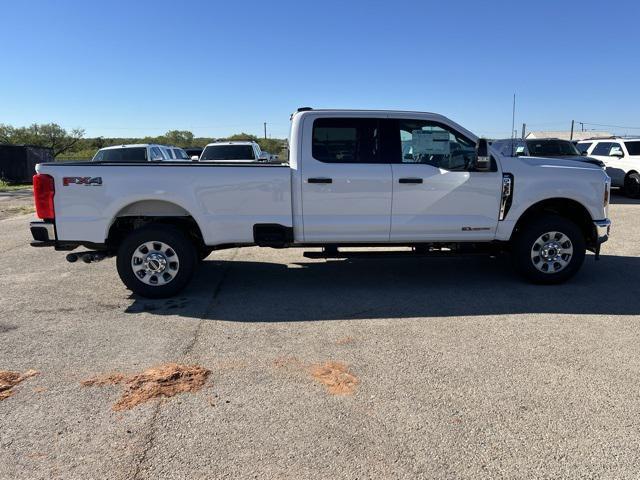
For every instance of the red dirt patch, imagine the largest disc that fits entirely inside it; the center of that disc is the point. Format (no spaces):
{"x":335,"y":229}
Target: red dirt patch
{"x":345,"y":340}
{"x":8,"y":380}
{"x":336,"y":377}
{"x":161,"y":381}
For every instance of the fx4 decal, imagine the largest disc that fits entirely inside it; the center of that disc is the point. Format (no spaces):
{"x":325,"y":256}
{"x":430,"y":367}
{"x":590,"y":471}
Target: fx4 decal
{"x":89,"y":181}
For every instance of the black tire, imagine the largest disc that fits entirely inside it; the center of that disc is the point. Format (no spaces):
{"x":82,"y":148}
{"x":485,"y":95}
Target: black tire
{"x":174,"y":276}
{"x":632,"y":185}
{"x":532,"y":237}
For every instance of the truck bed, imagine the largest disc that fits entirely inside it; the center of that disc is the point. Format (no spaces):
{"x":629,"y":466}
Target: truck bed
{"x":224,"y":199}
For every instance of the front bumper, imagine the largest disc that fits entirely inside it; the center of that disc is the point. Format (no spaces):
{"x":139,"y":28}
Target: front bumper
{"x":43,"y":233}
{"x":602,"y":228}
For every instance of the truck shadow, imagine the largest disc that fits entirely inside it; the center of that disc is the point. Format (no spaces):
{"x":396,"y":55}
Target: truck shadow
{"x":619,"y":198}
{"x":246,"y":291}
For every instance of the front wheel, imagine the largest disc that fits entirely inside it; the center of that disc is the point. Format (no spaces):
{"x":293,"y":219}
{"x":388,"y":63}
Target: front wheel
{"x":632,"y":185}
{"x":156,"y":261}
{"x":549,"y":250}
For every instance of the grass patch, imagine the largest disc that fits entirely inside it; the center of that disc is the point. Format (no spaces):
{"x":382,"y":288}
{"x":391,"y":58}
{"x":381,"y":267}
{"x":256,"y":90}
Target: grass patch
{"x":8,"y":187}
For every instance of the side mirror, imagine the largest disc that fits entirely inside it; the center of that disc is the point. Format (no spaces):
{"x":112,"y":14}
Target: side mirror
{"x":584,"y":153}
{"x":616,"y":153}
{"x":195,"y":158}
{"x":483,"y":160}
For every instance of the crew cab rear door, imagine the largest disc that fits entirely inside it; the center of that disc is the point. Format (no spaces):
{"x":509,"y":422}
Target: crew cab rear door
{"x":436,"y":194}
{"x":346,"y":188}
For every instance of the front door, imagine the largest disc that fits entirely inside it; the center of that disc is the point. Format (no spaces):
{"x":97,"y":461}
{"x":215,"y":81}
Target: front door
{"x":436,"y":193}
{"x":346,"y":189}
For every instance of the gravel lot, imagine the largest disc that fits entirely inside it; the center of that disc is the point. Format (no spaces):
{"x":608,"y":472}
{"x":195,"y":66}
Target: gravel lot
{"x":463,"y":370}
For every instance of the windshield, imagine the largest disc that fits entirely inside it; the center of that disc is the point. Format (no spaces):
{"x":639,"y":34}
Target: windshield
{"x":551,"y":148}
{"x":510,"y":147}
{"x":633,"y":147}
{"x":137,"y":154}
{"x":228,"y":152}
{"x":583,"y":147}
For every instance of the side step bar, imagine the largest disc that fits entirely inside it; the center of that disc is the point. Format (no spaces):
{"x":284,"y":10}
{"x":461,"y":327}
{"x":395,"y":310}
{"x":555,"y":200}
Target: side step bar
{"x":334,"y":252}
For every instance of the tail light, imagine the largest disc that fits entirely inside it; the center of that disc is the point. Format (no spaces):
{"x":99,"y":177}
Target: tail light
{"x":43,"y":192}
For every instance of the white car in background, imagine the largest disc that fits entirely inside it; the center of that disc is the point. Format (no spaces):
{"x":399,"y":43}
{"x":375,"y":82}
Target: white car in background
{"x":621,"y":157}
{"x":134,"y":153}
{"x":236,"y":152}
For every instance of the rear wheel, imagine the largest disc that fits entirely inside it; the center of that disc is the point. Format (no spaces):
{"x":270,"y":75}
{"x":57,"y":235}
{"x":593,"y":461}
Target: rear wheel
{"x":549,"y":250}
{"x":156,"y":261}
{"x":632,"y":185}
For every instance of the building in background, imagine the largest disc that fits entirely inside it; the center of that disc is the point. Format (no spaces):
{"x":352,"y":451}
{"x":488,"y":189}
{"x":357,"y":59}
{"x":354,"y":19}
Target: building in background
{"x":566,"y":134}
{"x":18,"y":162}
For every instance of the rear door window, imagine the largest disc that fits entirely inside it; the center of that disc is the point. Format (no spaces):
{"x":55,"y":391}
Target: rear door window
{"x":345,"y":140}
{"x":633,"y":147}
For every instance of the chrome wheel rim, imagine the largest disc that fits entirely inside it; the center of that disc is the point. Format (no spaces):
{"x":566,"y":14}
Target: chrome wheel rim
{"x":551,"y":252}
{"x":155,"y":263}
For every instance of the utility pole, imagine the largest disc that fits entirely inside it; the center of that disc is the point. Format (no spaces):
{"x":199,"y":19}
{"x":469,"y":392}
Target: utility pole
{"x":572,"y":122}
{"x":581,"y":126}
{"x":265,"y":130}
{"x":524,"y":129}
{"x":513,"y":115}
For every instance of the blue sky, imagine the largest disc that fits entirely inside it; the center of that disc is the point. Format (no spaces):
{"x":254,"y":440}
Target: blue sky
{"x":135,"y":68}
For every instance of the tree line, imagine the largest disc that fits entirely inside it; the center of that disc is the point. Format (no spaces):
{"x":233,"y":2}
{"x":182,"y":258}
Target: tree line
{"x":72,"y":144}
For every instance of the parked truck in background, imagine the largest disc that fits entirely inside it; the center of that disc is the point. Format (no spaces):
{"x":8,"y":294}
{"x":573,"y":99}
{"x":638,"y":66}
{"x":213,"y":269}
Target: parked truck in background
{"x":354,"y":178}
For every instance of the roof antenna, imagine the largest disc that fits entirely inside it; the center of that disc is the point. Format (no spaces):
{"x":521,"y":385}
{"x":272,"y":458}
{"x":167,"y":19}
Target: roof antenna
{"x":513,"y":125}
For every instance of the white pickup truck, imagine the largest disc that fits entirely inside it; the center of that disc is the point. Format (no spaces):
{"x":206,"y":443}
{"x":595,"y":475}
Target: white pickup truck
{"x":354,"y":178}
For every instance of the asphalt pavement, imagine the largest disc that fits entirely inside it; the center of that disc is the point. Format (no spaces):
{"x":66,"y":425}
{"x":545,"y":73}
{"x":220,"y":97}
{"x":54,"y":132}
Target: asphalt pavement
{"x":462,"y":369}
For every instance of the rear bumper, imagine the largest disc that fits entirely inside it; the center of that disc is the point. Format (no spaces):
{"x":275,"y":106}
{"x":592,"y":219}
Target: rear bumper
{"x":602,"y":228}
{"x":43,"y":233}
